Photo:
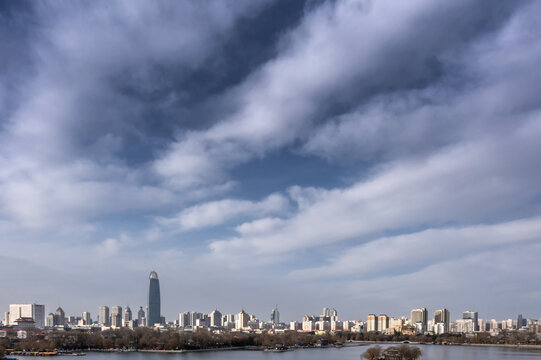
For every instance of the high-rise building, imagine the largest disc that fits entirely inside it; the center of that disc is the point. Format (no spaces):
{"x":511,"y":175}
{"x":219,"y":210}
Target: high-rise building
{"x":275,"y":316}
{"x":34,"y":311}
{"x":86,"y":318}
{"x":116,"y":316}
{"x":383,"y":322}
{"x":242,"y":320}
{"x":141,"y":317}
{"x":442,"y":316}
{"x":419,"y":316}
{"x":334,"y":315}
{"x":153,"y":301}
{"x":103,"y":316}
{"x":474,"y":316}
{"x":215,"y":318}
{"x":326,"y":312}
{"x":520,"y":321}
{"x":372,"y":323}
{"x":50,"y":321}
{"x":127,"y":316}
{"x":59,"y":317}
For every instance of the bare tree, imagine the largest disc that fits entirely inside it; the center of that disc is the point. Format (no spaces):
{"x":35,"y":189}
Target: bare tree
{"x":372,"y":353}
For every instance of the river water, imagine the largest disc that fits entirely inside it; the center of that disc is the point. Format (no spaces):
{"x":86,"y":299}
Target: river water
{"x":430,"y":352}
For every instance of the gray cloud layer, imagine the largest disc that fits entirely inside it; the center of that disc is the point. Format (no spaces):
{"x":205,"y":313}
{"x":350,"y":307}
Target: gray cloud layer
{"x":121,"y":124}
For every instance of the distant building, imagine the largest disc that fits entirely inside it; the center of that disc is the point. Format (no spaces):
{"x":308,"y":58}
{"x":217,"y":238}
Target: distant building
{"x":383,"y":323}
{"x":59,"y":317}
{"x":50,"y":320}
{"x":215,"y":318}
{"x":442,"y":316}
{"x":85,"y":316}
{"x":520,"y":321}
{"x":275,"y":316}
{"x":371,"y":323}
{"x":153,"y":300}
{"x":308,"y":325}
{"x":242,"y":320}
{"x":465,"y":326}
{"x":141,"y":317}
{"x":103,"y":316}
{"x":334,"y":315}
{"x":473,"y":315}
{"x":419,"y":316}
{"x":116,"y":316}
{"x":25,"y":323}
{"x":127,"y":316}
{"x":34,"y":311}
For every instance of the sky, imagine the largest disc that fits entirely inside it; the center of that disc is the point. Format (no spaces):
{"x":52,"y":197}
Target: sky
{"x":369,"y":156}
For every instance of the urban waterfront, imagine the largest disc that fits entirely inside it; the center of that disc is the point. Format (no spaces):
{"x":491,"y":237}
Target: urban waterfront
{"x":430,"y":352}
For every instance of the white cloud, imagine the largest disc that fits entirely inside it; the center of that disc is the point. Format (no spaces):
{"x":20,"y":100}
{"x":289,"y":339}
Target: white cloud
{"x":411,"y":252}
{"x":219,"y":212}
{"x":464,"y":184}
{"x":337,"y":46}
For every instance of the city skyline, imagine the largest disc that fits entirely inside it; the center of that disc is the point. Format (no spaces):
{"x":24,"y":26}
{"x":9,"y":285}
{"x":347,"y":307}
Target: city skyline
{"x":368,"y":156}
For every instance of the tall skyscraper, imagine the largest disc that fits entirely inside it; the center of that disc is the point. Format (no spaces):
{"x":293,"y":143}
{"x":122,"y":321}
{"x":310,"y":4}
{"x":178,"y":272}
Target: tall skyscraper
{"x":103,"y":316}
{"x":116,"y":316}
{"x":34,"y":311}
{"x":473,"y":315}
{"x":153,"y":302}
{"x":275,"y":316}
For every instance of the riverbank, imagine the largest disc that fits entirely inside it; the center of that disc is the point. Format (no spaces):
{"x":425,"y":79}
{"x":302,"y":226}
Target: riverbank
{"x":515,"y":346}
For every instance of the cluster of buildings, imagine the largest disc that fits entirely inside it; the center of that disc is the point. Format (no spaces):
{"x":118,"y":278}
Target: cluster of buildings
{"x":24,"y":316}
{"x":470,"y":323}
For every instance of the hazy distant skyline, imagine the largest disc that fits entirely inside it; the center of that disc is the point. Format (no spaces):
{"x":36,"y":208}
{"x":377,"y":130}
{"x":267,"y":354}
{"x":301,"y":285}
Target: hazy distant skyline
{"x":371,"y":156}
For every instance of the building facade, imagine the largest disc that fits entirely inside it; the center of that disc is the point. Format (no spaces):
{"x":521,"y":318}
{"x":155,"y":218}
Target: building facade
{"x":34,"y":311}
{"x":153,"y":300}
{"x":103,"y":316}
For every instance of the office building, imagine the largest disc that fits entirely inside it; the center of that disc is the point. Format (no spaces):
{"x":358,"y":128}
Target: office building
{"x":141,"y":320}
{"x":419,"y":316}
{"x":103,"y":316}
{"x":50,"y":321}
{"x":85,"y":316}
{"x":242,"y":320}
{"x":473,"y":315}
{"x":215,"y":318}
{"x":116,"y":316}
{"x":520,"y":321}
{"x":127,"y":317}
{"x":59,"y":317}
{"x":34,"y":311}
{"x":275,"y":316}
{"x":442,"y":316}
{"x":153,"y":300}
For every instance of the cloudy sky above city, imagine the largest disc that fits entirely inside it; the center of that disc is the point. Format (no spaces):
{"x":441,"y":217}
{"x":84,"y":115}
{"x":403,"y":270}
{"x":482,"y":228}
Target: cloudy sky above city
{"x":371,"y":156}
